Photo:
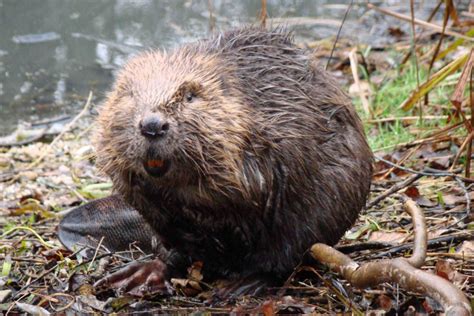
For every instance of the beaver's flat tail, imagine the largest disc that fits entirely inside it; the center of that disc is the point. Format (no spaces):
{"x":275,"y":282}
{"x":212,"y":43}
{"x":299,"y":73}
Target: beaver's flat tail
{"x":110,"y":218}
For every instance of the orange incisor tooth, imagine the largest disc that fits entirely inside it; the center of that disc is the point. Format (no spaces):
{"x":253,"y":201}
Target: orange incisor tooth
{"x":155,"y":163}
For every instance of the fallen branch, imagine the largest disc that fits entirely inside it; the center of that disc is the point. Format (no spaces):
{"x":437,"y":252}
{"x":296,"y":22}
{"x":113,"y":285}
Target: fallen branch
{"x":420,"y":237}
{"x":400,"y":270}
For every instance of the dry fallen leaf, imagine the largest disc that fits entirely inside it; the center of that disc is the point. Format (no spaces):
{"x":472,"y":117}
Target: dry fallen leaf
{"x":268,"y":308}
{"x":385,"y":302}
{"x":387,"y":236}
{"x":445,"y":270}
{"x":32,"y":309}
{"x":467,"y":247}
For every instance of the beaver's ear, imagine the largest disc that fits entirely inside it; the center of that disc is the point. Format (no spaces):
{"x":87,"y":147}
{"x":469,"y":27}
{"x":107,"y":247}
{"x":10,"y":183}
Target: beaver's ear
{"x":188,"y":90}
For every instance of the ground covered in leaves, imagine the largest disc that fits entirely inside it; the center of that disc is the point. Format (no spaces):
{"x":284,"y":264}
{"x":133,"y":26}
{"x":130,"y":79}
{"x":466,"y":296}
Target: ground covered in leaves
{"x":423,"y":159}
{"x":38,"y":272}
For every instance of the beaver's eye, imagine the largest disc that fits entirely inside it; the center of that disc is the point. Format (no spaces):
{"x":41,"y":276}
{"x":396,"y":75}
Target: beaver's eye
{"x":189,"y":96}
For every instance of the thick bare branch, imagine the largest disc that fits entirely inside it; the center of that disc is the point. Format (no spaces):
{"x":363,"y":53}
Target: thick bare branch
{"x":419,"y":230}
{"x":402,"y":271}
{"x":394,"y":270}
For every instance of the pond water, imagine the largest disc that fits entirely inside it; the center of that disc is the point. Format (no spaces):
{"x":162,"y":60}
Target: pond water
{"x":53,"y":52}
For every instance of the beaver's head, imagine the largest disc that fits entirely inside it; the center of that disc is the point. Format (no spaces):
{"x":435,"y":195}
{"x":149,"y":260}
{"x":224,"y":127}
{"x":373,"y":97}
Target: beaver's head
{"x":174,"y":122}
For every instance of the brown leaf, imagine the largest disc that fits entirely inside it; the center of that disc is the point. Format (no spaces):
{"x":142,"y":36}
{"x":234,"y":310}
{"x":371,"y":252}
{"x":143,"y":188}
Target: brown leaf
{"x":423,"y":201}
{"x":186,"y":286}
{"x":32,"y":309}
{"x":384,"y":302}
{"x":268,"y":308}
{"x":451,"y":199}
{"x":440,"y":163}
{"x":444,"y":269}
{"x":387,"y":236}
{"x":412,"y":192}
{"x":194,"y":271}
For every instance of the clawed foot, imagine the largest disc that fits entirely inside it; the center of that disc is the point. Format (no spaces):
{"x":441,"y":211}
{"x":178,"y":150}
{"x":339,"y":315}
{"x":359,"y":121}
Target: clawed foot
{"x":138,"y":278}
{"x":229,"y":290}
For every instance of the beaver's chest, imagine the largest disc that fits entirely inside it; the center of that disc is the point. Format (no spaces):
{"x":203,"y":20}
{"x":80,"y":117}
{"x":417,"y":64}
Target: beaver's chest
{"x":226,"y":243}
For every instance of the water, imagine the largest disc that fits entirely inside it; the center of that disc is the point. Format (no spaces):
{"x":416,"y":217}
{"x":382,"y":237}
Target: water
{"x":53,"y":52}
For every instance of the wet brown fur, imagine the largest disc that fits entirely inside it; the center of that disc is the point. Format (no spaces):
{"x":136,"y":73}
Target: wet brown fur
{"x":268,"y":158}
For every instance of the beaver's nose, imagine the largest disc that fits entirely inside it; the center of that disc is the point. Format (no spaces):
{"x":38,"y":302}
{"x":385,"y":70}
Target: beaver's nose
{"x":153,"y":126}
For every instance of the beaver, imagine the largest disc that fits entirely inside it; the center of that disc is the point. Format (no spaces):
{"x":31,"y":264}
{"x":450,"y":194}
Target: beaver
{"x":239,"y":151}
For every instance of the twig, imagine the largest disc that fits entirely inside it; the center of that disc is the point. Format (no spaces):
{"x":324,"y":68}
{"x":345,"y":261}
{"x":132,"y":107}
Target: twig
{"x":395,"y":188}
{"x":360,"y":246}
{"x":407,"y":118}
{"x":468,"y":203}
{"x":419,"y":22}
{"x":355,"y":75}
{"x":438,"y":45}
{"x":212,"y":19}
{"x":462,"y":256}
{"x":40,"y":239}
{"x":333,"y":289}
{"x":405,"y":157}
{"x":432,"y":14}
{"x":263,"y":14}
{"x":469,"y":146}
{"x":413,"y":54}
{"x":95,"y":254}
{"x":339,"y":33}
{"x":46,"y":273}
{"x":432,"y":242}
{"x":430,"y":138}
{"x":65,"y":307}
{"x":435,"y":10}
{"x":427,"y":171}
{"x":466,"y":141}
{"x":21,"y":259}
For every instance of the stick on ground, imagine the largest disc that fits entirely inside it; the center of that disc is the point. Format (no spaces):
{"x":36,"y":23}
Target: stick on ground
{"x":402,"y":271}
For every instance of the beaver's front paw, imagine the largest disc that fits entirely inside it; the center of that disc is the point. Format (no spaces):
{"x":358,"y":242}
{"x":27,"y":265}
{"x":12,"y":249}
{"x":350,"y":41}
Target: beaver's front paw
{"x":138,"y":278}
